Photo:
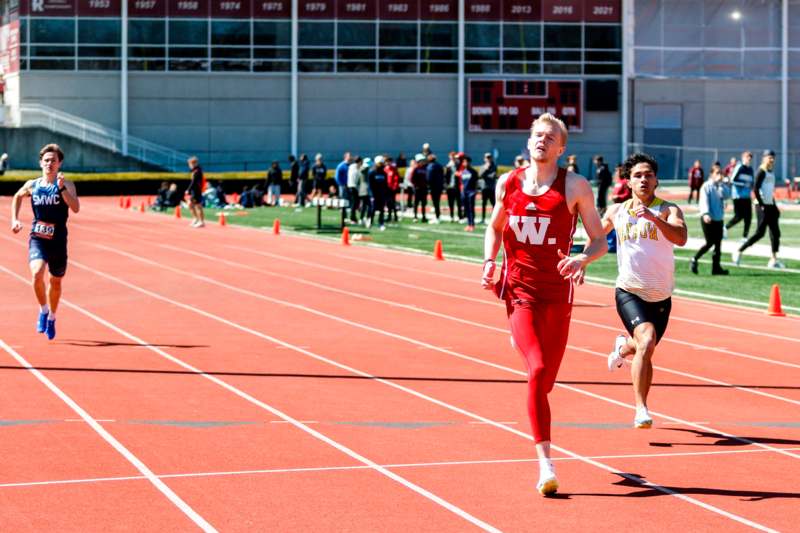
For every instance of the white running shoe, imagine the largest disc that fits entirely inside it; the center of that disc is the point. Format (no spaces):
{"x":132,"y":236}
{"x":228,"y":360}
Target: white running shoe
{"x":548,"y":484}
{"x":642,"y":420}
{"x":775,"y":263}
{"x":736,"y":257}
{"x":615,"y":360}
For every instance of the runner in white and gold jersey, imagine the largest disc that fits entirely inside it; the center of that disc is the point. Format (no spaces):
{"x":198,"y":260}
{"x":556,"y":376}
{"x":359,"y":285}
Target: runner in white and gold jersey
{"x":647,"y":229}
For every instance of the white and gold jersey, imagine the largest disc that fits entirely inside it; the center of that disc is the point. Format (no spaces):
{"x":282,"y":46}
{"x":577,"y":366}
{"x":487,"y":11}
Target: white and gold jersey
{"x":645,"y":258}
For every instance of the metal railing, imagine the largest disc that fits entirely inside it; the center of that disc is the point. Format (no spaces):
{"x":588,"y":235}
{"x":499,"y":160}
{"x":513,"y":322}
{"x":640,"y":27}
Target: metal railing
{"x":33,"y":115}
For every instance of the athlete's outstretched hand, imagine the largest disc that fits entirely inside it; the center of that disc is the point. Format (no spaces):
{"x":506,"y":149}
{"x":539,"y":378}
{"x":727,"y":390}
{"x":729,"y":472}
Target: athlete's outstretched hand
{"x":16,"y":226}
{"x":487,"y":278}
{"x":571,"y":268}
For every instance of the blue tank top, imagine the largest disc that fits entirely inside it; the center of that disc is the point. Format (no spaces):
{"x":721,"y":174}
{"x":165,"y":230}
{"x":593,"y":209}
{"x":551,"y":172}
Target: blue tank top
{"x":50,"y":211}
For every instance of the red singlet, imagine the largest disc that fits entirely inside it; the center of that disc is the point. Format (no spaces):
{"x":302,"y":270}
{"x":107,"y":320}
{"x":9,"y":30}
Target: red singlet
{"x":538,"y":226}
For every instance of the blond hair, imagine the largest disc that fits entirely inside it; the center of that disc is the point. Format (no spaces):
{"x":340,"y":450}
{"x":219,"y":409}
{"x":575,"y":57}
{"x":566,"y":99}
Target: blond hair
{"x":554,"y":121}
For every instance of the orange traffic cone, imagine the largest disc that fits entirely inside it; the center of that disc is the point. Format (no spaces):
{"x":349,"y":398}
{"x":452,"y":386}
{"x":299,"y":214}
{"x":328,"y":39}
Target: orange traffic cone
{"x":128,"y":202}
{"x":177,"y":211}
{"x":222,"y":219}
{"x":346,"y":236}
{"x":149,"y":201}
{"x":437,"y":251}
{"x":141,"y":207}
{"x":276,"y":226}
{"x":774,"y":308}
{"x":121,"y":202}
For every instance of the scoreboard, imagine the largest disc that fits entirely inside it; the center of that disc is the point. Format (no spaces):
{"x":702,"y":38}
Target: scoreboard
{"x":512,"y":105}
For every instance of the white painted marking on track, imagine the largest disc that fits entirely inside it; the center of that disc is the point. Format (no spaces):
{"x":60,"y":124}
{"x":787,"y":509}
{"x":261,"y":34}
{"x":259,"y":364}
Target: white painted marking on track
{"x":301,"y":470}
{"x":96,"y":420}
{"x":100,"y":430}
{"x":413,"y":392}
{"x":296,"y":423}
{"x":414,"y":308}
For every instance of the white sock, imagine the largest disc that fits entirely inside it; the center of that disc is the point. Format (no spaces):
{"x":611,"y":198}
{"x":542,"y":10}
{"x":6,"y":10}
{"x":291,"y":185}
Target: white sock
{"x":546,"y":467}
{"x":52,"y":317}
{"x":44,"y":308}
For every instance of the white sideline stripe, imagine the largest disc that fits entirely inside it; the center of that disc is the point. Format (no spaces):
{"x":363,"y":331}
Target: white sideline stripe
{"x":130,"y":457}
{"x":314,"y":433}
{"x":435,"y":401}
{"x":497,"y":304}
{"x":413,"y":308}
{"x":414,"y":341}
{"x":301,"y":470}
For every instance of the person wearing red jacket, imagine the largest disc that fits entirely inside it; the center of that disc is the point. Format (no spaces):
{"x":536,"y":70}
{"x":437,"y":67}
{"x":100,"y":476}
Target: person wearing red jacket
{"x":393,"y":184}
{"x":696,"y":178}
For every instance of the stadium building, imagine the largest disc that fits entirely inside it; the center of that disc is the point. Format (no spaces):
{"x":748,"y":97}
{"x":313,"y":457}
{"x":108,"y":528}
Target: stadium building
{"x":241,"y":82}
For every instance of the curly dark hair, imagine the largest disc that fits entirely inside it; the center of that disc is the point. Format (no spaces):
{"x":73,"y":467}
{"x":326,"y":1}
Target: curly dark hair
{"x":635,"y":159}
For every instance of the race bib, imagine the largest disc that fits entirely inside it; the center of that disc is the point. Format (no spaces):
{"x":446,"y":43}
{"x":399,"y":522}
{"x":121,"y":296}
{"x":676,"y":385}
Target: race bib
{"x":44,"y":230}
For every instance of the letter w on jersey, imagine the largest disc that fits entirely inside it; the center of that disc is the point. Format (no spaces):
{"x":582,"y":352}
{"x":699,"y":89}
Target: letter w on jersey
{"x":526,"y":229}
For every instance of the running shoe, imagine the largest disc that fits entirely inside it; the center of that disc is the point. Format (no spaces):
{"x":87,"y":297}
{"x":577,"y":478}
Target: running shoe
{"x":41,"y":324}
{"x":693,"y":265}
{"x":736,"y":257}
{"x":51,"y":329}
{"x":642,"y":420}
{"x":548,"y":484}
{"x":615,"y":360}
{"x":775,"y":263}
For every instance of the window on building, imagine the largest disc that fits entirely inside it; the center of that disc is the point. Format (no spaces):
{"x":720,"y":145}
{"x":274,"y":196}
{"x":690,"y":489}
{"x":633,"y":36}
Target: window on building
{"x":188,"y":45}
{"x":272,"y":46}
{"x":52,"y":44}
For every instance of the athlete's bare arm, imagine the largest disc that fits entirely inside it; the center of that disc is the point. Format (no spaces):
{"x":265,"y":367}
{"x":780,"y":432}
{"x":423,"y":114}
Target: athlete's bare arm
{"x":608,"y":217}
{"x":494,"y":233}
{"x":69,"y":193}
{"x":670,"y":221}
{"x":16,"y":203}
{"x":581,"y":200}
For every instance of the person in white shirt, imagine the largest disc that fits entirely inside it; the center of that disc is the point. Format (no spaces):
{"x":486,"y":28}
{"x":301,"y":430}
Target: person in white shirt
{"x":647,"y":230}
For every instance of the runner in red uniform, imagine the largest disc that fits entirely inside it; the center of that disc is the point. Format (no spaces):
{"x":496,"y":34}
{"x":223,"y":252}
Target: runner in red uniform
{"x":540,"y":207}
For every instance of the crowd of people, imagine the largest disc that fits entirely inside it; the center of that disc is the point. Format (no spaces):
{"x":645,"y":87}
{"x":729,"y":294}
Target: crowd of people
{"x":742,"y":183}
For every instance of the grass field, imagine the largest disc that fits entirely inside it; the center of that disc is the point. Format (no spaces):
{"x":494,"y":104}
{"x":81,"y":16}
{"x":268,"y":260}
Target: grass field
{"x":747,"y":285}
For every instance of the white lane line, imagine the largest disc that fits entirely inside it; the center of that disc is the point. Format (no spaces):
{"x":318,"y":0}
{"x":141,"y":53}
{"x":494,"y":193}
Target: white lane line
{"x":413,"y":392}
{"x":495,"y":303}
{"x":387,"y":333}
{"x":413,"y":308}
{"x":96,"y":420}
{"x":280,"y":414}
{"x":301,"y":470}
{"x":117,"y":445}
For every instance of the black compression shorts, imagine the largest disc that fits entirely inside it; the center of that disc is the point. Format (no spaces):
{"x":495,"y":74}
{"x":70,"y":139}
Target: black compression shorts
{"x":634,"y":311}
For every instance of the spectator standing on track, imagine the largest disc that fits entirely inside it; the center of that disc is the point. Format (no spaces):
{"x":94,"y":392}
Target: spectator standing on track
{"x":353,"y":172}
{"x":728,"y":170}
{"x":487,"y":182}
{"x":766,"y":210}
{"x":380,"y":190}
{"x":302,"y":180}
{"x":3,"y":164}
{"x":647,"y":229}
{"x":453,"y":188}
{"x":469,"y":179}
{"x":408,"y":187}
{"x":621,"y":192}
{"x":572,"y":164}
{"x":435,"y":178}
{"x":419,"y":179}
{"x":402,"y":162}
{"x":274,"y":181}
{"x":319,"y":175}
{"x":341,"y":175}
{"x":696,"y":178}
{"x":195,"y":192}
{"x":713,"y":194}
{"x":294,"y":174}
{"x":742,"y":180}
{"x":393,"y":184}
{"x":603,"y":179}
{"x":52,"y":198}
{"x":537,"y":281}
{"x":364,"y":194}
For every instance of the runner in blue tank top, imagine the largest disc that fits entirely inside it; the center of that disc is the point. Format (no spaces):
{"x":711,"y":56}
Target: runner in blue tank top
{"x":52,"y":196}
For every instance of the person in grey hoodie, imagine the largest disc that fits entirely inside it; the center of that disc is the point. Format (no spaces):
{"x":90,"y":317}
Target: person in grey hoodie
{"x":712,"y":210}
{"x":742,"y":179}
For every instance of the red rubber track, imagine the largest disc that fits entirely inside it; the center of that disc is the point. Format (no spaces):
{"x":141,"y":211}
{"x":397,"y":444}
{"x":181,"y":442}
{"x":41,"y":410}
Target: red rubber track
{"x":401,"y":360}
